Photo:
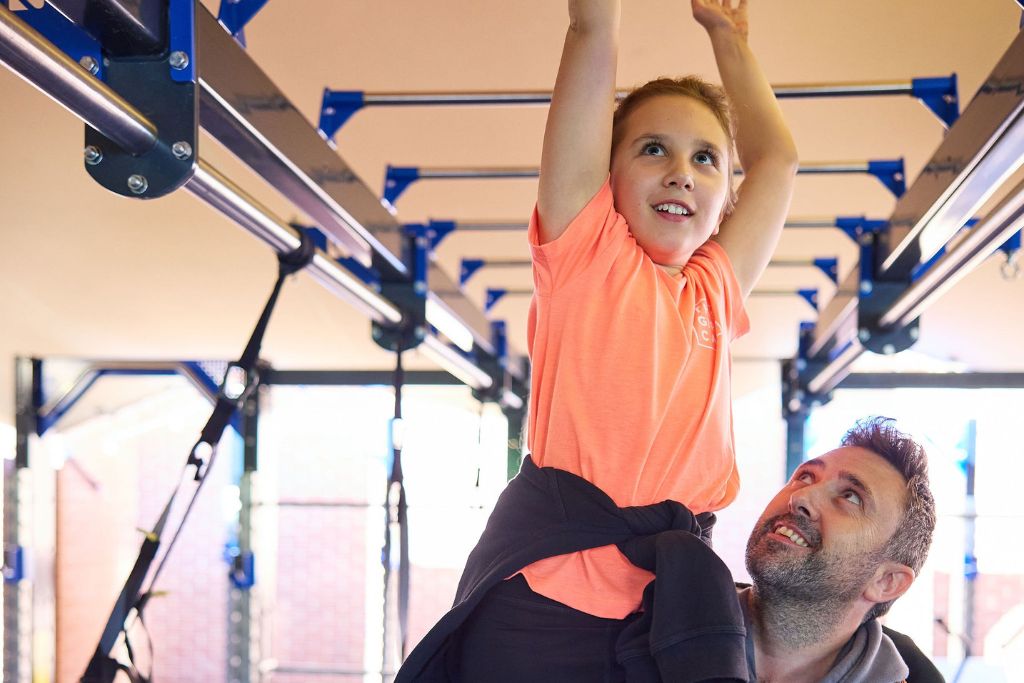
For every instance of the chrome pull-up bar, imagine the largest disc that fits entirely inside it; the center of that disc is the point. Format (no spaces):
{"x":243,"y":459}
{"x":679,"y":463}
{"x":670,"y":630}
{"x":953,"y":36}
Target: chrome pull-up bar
{"x":397,"y":179}
{"x":28,"y":54}
{"x":939,"y":94}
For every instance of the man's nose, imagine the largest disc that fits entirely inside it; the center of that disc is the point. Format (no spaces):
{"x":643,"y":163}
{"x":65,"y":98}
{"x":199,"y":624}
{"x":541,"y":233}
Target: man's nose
{"x":805,"y":502}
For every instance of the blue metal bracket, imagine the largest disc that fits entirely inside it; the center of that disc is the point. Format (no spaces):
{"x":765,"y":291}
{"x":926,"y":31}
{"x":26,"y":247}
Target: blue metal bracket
{"x":891,"y":173}
{"x":336,"y":108}
{"x":242,"y":572}
{"x":468,"y":269}
{"x":235,"y":14}
{"x":182,"y":38}
{"x":829,"y":266}
{"x":14,"y":563}
{"x":62,"y":32}
{"x":810,"y":296}
{"x":855,"y":226}
{"x":397,"y":179}
{"x":438,"y":230}
{"x":1012,"y":245}
{"x":315,"y":234}
{"x":493,"y":297}
{"x":940,"y":95}
{"x":368,"y":275}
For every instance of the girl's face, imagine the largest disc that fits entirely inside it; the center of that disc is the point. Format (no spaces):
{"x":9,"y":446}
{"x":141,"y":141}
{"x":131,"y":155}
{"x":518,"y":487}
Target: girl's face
{"x":670,"y":176}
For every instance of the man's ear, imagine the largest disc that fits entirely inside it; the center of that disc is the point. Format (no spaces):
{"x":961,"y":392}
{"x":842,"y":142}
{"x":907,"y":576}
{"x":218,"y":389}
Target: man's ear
{"x":890,"y":581}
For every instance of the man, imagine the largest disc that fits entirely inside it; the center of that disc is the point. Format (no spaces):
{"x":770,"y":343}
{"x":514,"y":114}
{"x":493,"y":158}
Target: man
{"x":834,"y":548}
{"x":843,"y":539}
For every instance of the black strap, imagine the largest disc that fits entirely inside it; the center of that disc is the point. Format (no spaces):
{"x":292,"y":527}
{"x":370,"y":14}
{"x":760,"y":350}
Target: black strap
{"x":397,"y":513}
{"x":239,"y":381}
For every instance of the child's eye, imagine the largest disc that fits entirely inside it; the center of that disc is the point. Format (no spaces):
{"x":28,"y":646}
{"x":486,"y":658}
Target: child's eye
{"x":706,"y":157}
{"x":653,"y":149}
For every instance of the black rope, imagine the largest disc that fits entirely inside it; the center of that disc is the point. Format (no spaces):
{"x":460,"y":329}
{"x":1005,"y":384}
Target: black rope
{"x":397,"y":513}
{"x":239,"y":381}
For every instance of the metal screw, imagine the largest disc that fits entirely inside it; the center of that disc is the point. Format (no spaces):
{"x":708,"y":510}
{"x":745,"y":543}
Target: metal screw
{"x":137,"y":183}
{"x":914,"y":333}
{"x":865,"y":239}
{"x":377,"y":333}
{"x":93,"y":155}
{"x":420,"y":287}
{"x":866,"y":287}
{"x":178,"y":60}
{"x":330,"y":111}
{"x":90,"y":64}
{"x":420,"y":332}
{"x":864,"y":334}
{"x":888,"y":349}
{"x":801,"y":364}
{"x":181,"y":150}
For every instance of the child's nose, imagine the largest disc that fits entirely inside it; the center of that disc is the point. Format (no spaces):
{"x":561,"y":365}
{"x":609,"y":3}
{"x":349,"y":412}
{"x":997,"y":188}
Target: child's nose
{"x":680,"y":176}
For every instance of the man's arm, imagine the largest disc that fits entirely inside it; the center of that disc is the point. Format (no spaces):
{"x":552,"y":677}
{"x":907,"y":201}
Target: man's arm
{"x":766,"y":149}
{"x":577,"y":138}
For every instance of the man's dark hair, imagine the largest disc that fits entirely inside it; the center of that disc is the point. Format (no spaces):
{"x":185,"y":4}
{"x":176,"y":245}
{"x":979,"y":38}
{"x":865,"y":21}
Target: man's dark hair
{"x":910,"y":542}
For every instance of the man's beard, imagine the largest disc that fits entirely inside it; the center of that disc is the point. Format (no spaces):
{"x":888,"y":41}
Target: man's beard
{"x":803,"y":594}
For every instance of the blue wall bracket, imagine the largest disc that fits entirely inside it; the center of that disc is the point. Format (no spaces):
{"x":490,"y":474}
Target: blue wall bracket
{"x":810,"y":296}
{"x":397,"y":179}
{"x":235,"y":14}
{"x":891,"y":173}
{"x":14,"y":563}
{"x":940,"y":96}
{"x":242,"y":572}
{"x":829,"y":266}
{"x":468,"y":268}
{"x":336,"y":108}
{"x":493,"y":297}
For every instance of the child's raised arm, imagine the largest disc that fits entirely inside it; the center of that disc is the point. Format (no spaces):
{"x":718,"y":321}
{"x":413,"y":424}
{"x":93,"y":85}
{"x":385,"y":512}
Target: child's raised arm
{"x":766,"y":149}
{"x":577,"y":139}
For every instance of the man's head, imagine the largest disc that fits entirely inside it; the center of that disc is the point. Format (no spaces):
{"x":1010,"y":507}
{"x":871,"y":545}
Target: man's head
{"x":851,"y":527}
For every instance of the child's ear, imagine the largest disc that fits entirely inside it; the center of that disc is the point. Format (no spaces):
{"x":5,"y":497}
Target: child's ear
{"x":890,"y":581}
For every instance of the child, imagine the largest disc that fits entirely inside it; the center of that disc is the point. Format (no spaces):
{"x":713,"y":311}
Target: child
{"x":630,"y":326}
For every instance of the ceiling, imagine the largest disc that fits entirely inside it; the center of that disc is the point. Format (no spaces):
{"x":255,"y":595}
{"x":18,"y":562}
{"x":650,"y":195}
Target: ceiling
{"x":86,"y":273}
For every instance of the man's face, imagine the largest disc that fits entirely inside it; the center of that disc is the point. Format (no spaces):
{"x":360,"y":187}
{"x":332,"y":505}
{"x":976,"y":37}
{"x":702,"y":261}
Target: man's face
{"x":821,"y":536}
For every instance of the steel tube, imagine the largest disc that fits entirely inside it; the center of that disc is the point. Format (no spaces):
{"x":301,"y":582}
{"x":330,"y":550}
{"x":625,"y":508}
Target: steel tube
{"x":419,"y":99}
{"x":510,"y":172}
{"x":220,"y":193}
{"x":29,"y":55}
{"x":1004,"y":220}
{"x":831,"y":376}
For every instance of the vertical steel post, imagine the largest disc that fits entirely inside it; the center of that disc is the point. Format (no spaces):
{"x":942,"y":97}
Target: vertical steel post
{"x":243,"y":629}
{"x":970,"y":522}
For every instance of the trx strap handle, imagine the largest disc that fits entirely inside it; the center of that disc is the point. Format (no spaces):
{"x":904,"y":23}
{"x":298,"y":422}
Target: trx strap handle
{"x":397,"y":514}
{"x":240,"y":379}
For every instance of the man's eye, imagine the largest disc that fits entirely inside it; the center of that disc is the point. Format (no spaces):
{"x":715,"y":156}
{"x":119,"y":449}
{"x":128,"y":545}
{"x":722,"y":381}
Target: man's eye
{"x":654,"y":149}
{"x":854,"y":498}
{"x":805,"y":477}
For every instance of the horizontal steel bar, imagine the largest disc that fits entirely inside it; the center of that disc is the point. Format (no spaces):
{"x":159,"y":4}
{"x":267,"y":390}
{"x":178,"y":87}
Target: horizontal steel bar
{"x":244,"y":111}
{"x":450,"y":173}
{"x":455,"y":363}
{"x":123,"y":27}
{"x":29,"y":55}
{"x":933,"y":380}
{"x":354,"y":377}
{"x":1005,"y":220}
{"x":974,"y":158}
{"x":510,"y":97}
{"x":223,"y":195}
{"x":837,"y":370}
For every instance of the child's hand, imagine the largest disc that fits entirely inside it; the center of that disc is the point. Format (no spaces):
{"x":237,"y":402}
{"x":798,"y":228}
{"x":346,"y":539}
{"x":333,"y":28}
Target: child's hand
{"x":716,"y":15}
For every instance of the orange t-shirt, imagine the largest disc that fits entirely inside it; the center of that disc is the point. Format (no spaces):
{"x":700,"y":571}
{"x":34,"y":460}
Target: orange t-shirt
{"x":630,"y":387}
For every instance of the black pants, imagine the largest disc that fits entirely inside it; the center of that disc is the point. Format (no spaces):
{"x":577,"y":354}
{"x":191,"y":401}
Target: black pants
{"x":518,"y":636}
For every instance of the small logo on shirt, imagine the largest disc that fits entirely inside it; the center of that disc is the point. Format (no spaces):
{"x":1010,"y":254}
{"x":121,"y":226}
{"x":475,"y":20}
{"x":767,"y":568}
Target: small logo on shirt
{"x":705,"y":328}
